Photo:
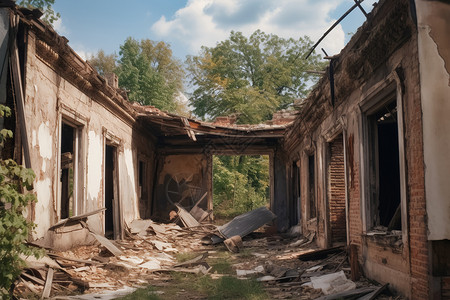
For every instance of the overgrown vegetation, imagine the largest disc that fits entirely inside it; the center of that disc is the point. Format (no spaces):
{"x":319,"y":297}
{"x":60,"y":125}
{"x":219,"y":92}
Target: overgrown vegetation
{"x":241,"y":183}
{"x":15,"y":181}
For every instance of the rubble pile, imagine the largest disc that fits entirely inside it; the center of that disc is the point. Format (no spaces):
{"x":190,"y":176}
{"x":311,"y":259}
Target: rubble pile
{"x":288,"y":266}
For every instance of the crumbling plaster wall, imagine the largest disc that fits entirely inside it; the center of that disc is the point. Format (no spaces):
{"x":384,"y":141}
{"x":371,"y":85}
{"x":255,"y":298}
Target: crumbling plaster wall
{"x":182,"y":176}
{"x":434,"y":54}
{"x":49,"y":98}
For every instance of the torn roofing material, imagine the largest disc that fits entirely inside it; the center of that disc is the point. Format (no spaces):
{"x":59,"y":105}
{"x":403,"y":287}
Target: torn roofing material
{"x":247,"y":223}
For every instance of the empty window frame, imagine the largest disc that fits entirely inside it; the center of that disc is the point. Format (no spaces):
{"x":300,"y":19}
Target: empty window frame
{"x":382,"y":180}
{"x":71,"y":166}
{"x":311,"y":189}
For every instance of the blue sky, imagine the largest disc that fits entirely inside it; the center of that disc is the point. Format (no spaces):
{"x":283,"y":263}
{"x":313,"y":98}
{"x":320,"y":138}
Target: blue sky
{"x":186,"y":25}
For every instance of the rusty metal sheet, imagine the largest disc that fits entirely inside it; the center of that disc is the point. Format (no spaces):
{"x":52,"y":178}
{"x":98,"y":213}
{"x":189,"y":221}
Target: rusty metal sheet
{"x":247,"y":223}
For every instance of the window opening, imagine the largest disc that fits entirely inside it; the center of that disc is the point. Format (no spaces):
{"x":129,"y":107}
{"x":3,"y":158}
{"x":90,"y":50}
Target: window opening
{"x":385,"y":167}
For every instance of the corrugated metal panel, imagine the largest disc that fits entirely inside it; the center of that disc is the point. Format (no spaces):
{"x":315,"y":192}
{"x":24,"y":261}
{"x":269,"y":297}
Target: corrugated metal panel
{"x":247,"y":223}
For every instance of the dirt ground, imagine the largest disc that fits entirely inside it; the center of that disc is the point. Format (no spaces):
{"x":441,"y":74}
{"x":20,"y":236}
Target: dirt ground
{"x":158,"y":255}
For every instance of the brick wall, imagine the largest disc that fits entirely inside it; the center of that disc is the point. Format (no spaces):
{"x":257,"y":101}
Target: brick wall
{"x":355,"y":225}
{"x":445,"y":288}
{"x":336,"y":190}
{"x":415,"y":179}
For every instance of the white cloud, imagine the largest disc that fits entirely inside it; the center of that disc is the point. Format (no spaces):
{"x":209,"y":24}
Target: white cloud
{"x":82,"y":51}
{"x":59,"y":27}
{"x":205,"y":22}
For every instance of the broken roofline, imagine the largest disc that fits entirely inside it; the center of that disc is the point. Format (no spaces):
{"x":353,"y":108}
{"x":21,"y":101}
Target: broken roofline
{"x":198,"y":127}
{"x":54,"y":50}
{"x":311,"y":100}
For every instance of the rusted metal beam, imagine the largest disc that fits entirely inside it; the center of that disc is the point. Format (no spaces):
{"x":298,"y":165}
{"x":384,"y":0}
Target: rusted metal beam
{"x":358,"y":2}
{"x":361,"y":8}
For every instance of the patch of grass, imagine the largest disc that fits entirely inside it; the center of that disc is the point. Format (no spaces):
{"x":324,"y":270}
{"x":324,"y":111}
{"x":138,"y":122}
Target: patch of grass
{"x":205,"y":287}
{"x":233,"y":288}
{"x":185,"y":256}
{"x":222,"y":267}
{"x":147,"y":293}
{"x":245,"y":253}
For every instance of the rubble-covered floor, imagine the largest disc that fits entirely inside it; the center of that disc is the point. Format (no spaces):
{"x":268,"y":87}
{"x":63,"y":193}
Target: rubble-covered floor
{"x":152,"y":257}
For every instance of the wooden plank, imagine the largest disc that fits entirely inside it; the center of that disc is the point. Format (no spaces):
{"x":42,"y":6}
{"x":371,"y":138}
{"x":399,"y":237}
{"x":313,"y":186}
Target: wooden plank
{"x":375,"y":293}
{"x":320,"y":254}
{"x":82,"y":261}
{"x":18,"y":90}
{"x":33,"y":278}
{"x":348,"y":294}
{"x":107,"y":244}
{"x":48,"y":284}
{"x":354,"y":265}
{"x":187,"y":219}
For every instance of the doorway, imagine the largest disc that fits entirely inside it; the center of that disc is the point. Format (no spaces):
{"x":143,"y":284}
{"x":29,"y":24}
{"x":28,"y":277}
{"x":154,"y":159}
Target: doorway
{"x":112,"y":215}
{"x":70,"y":176}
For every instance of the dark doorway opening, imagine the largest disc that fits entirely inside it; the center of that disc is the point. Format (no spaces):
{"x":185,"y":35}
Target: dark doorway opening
{"x":111,"y":214}
{"x":385,"y":167}
{"x":68,"y":208}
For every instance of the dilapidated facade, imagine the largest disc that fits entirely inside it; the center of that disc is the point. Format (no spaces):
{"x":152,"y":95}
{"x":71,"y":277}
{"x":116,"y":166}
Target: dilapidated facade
{"x":366,"y":154}
{"x":96,"y":155}
{"x":364,"y":163}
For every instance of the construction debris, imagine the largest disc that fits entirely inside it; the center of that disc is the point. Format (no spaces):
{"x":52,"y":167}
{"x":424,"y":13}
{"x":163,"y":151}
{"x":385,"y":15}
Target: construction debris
{"x":147,"y":256}
{"x":247,"y":223}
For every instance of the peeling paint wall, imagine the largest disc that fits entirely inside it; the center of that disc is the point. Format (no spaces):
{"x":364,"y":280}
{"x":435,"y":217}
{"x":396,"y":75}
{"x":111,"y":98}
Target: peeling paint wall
{"x":52,"y":99}
{"x":434,"y":55}
{"x":181,"y":176}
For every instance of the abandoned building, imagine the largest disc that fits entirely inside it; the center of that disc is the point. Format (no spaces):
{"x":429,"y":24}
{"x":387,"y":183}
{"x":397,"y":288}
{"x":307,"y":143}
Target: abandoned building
{"x":364,"y":163}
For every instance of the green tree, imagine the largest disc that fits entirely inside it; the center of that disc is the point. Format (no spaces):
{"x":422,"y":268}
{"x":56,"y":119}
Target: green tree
{"x":150,"y":74}
{"x":103,"y":63}
{"x":241,"y":183}
{"x":14,"y":227}
{"x":251,"y":77}
{"x":45,"y":6}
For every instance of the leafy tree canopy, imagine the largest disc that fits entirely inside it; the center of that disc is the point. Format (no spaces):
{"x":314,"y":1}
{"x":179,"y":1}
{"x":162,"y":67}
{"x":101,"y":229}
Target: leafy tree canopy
{"x":147,"y":70}
{"x":251,"y":77}
{"x":103,"y":63}
{"x":45,"y":5}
